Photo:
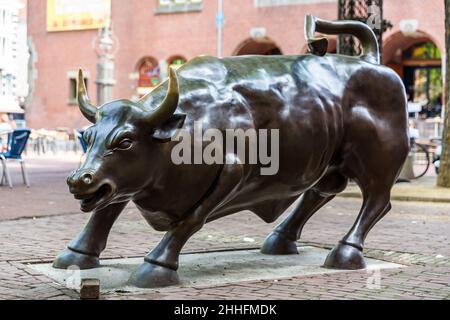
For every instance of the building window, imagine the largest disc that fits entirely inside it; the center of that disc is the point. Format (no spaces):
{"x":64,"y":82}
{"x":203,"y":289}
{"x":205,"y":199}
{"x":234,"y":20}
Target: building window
{"x":73,"y":89}
{"x":276,"y":3}
{"x":422,"y":74}
{"x":2,"y":46}
{"x":423,"y":51}
{"x":176,"y":61}
{"x":9,"y":87}
{"x":2,"y":91}
{"x":149,"y":75}
{"x":176,"y":6}
{"x":4,"y":18}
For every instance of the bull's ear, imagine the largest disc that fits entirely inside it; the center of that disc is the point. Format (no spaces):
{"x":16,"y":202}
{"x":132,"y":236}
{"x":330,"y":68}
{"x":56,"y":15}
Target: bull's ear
{"x":166,"y":131}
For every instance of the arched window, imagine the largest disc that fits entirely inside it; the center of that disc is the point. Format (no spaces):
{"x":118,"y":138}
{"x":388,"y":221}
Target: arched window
{"x":332,"y":46}
{"x":176,"y":61}
{"x":149,"y":75}
{"x":423,"y":51}
{"x":418,"y":62}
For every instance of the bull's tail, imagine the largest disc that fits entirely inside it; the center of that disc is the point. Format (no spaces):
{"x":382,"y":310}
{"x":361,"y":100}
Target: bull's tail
{"x":362,"y":31}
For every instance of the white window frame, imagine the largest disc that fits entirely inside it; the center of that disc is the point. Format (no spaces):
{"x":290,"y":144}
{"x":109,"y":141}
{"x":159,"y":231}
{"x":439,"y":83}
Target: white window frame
{"x":279,"y":3}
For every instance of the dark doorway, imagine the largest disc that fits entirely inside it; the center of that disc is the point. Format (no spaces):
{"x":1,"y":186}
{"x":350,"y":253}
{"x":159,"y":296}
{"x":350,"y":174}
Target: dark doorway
{"x":261,"y":46}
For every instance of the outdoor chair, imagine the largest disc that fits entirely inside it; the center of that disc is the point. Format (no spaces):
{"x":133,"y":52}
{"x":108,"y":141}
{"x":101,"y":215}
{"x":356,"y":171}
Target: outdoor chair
{"x":17,"y":141}
{"x":79,"y":135}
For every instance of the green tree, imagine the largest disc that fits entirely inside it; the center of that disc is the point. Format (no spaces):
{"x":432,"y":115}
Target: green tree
{"x":444,"y":170}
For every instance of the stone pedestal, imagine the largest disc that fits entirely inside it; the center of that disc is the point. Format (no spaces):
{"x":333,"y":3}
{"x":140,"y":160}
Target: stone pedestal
{"x":407,"y":172}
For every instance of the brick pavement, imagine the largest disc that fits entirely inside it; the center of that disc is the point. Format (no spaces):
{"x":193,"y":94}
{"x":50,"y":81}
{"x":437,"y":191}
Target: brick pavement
{"x":414,"y":234}
{"x":48,"y":193}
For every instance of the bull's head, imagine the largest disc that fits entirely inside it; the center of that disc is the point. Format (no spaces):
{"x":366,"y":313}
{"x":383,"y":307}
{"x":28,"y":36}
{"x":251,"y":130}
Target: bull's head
{"x":124,"y":146}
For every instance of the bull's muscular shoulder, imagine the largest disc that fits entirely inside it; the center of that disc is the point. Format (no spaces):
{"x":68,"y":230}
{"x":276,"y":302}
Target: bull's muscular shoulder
{"x":203,"y":69}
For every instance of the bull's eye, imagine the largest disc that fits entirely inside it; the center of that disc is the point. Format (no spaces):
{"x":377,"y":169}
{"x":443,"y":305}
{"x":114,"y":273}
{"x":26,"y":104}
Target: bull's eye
{"x":125,"y":144}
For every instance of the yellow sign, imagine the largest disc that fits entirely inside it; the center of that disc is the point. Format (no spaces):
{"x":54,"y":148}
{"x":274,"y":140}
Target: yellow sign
{"x":68,"y":15}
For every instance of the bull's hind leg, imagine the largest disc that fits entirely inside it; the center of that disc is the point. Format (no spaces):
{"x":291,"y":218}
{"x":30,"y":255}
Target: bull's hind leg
{"x":283,"y":240}
{"x":374,"y":166}
{"x":374,"y":150}
{"x":85,"y":249}
{"x":374,"y":160}
{"x":348,"y":254}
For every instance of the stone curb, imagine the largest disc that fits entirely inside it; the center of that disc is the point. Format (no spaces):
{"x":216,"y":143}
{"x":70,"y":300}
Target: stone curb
{"x":399,"y":197}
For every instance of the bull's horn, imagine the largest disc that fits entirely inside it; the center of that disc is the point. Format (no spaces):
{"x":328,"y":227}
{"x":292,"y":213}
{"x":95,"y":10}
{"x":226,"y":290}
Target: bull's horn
{"x":170,"y":102}
{"x":86,"y":107}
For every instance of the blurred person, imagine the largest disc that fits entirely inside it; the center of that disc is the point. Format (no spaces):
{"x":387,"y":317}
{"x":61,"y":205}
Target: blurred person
{"x":437,"y":106}
{"x":414,"y":133}
{"x":6,"y":124}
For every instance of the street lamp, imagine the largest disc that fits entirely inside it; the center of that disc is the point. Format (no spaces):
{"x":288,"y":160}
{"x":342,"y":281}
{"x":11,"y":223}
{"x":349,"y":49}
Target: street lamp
{"x":220,"y":20}
{"x":105,"y":45}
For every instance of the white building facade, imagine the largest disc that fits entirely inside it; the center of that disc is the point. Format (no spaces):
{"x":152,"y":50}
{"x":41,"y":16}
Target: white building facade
{"x":14,"y":57}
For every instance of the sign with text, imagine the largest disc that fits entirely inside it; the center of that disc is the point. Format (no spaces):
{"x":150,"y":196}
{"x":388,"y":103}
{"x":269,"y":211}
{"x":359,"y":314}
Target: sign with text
{"x":69,"y":15}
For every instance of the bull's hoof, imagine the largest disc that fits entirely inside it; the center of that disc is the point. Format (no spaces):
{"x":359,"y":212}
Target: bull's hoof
{"x":69,"y":258}
{"x":150,"y":275}
{"x":277,"y":244}
{"x":345,"y":257}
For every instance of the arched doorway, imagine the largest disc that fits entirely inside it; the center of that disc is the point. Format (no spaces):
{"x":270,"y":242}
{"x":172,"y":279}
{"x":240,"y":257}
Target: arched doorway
{"x":176,"y":61}
{"x":332,"y":46}
{"x":260,"y":46}
{"x":418,"y":61}
{"x":149,"y":75}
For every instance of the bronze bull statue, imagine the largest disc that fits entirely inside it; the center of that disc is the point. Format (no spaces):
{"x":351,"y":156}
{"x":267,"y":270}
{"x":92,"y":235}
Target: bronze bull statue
{"x":338,"y":117}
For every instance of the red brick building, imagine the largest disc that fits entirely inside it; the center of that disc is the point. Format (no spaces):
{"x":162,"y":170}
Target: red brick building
{"x":154,"y":33}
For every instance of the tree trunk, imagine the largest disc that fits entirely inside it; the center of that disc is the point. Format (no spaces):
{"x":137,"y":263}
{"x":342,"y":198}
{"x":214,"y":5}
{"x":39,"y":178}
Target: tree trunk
{"x":444,"y":170}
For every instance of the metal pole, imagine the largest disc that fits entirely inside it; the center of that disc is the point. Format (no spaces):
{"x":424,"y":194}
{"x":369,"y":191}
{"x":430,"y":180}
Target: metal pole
{"x":105,"y":45}
{"x":219,"y":25}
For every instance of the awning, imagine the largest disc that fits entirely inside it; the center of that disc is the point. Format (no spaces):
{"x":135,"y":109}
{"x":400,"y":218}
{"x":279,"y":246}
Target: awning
{"x":8,"y":104}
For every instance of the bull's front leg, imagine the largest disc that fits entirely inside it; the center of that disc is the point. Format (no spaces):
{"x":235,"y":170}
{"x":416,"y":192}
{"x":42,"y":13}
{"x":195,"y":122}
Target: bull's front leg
{"x":84,"y":250}
{"x":161,"y":264}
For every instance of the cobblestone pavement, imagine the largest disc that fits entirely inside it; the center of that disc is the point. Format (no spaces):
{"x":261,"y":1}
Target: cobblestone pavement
{"x":413,"y":234}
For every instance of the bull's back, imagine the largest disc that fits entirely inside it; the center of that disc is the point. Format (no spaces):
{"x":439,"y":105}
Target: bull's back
{"x":311,"y":100}
{"x":287,"y":94}
{"x":301,"y":96}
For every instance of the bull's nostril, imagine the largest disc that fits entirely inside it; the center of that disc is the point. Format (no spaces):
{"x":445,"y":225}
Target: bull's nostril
{"x":70,"y":178}
{"x":87,"y":178}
